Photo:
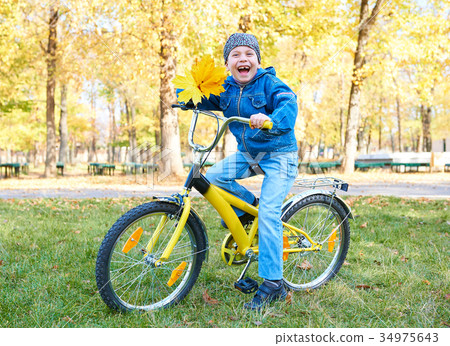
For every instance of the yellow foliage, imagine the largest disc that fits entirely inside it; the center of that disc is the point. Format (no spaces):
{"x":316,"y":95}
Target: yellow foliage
{"x":204,"y":79}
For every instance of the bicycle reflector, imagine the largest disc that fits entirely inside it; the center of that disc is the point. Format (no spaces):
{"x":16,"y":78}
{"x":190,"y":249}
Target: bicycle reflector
{"x":176,"y":273}
{"x":133,"y":240}
{"x":285,"y":246}
{"x":332,"y":241}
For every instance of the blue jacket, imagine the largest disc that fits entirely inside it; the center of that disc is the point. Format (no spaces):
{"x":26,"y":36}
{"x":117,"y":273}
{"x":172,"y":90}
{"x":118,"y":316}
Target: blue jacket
{"x":264,"y":94}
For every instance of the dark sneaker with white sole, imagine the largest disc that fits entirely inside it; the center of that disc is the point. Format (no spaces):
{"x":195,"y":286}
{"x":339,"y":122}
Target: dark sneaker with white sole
{"x":267,"y":293}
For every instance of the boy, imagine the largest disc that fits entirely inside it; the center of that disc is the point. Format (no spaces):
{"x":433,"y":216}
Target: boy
{"x":258,"y":94}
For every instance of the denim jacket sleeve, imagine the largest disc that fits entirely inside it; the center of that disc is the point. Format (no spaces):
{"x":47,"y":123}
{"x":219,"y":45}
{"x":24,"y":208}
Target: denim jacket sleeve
{"x":285,"y":109}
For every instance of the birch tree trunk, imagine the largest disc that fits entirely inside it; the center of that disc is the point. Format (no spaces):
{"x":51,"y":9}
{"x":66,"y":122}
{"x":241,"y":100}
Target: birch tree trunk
{"x":366,"y":20}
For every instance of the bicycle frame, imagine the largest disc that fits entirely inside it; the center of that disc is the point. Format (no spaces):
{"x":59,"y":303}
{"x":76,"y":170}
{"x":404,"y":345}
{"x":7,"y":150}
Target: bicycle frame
{"x":221,"y":200}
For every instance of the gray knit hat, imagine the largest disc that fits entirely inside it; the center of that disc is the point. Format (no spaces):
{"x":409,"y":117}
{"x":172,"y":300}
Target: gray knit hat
{"x":241,"y":39}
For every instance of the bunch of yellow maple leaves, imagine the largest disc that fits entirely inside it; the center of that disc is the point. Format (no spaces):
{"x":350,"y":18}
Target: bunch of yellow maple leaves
{"x":202,"y":80}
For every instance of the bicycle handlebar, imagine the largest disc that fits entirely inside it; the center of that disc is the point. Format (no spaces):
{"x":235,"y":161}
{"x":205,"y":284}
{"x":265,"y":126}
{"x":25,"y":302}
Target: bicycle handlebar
{"x":226,"y":121}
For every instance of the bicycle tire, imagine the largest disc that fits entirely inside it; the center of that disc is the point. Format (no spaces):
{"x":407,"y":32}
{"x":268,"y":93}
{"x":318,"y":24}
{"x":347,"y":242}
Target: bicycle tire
{"x":128,"y":280}
{"x":318,"y":215}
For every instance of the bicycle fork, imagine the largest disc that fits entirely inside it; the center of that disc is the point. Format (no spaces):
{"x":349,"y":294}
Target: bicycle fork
{"x":186,"y":205}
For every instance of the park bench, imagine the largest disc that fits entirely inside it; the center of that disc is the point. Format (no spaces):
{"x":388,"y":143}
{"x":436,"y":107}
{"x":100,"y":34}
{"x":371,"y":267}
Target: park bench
{"x":402,"y":166}
{"x":138,"y":168}
{"x":364,"y":166}
{"x":60,"y":167}
{"x":319,"y":167}
{"x":207,"y":164}
{"x":24,"y":168}
{"x":101,"y":168}
{"x":11,"y":169}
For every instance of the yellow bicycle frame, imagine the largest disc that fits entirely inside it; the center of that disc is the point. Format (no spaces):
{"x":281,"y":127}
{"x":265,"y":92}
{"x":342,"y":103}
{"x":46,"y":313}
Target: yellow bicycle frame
{"x":223,"y":201}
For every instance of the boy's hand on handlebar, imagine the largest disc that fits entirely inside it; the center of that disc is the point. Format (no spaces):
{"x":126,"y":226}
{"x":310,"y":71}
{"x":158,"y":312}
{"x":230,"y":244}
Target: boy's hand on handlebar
{"x":257,"y":120}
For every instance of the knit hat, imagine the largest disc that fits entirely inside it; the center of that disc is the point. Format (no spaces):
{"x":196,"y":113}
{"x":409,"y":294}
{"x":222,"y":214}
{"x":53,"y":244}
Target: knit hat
{"x":241,"y":39}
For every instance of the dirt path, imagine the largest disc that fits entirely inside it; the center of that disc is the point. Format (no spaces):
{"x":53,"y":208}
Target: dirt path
{"x":435,"y":185}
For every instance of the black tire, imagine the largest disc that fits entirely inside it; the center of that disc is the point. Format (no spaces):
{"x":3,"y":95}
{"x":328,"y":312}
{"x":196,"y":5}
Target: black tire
{"x":129,"y":280}
{"x":317,"y":215}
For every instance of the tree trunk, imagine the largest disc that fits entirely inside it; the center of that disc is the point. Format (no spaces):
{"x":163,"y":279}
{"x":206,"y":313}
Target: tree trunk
{"x":425,"y":113}
{"x":63,"y":129}
{"x":341,"y":115}
{"x":171,"y":162}
{"x":131,"y":115}
{"x":366,"y":21}
{"x":380,"y":124}
{"x":399,"y":124}
{"x":50,"y":159}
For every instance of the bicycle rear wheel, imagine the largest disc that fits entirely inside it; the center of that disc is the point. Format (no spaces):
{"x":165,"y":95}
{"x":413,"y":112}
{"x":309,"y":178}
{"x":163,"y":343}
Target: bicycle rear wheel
{"x":126,"y":275}
{"x":326,"y":222}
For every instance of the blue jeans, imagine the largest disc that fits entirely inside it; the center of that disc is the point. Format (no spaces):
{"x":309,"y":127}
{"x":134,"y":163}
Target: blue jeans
{"x":280,"y":170}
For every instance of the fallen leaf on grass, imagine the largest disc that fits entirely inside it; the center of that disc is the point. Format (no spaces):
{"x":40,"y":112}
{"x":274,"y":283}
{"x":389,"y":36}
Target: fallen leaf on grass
{"x":404,"y":259}
{"x":364,"y":225}
{"x":68,"y":319}
{"x":346,"y":263}
{"x":77,"y":232}
{"x":208,"y":300}
{"x":305,"y":265}
{"x":447,"y":296}
{"x":289,"y":298}
{"x":426,"y":282}
{"x":1,"y":262}
{"x":364,"y":287}
{"x":55,"y":267}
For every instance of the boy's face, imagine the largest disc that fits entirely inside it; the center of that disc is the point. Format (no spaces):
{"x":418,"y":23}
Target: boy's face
{"x":243,"y":64}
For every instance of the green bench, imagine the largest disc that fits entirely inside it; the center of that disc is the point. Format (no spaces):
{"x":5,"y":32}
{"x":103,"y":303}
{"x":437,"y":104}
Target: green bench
{"x":364,"y":166}
{"x":60,"y":167}
{"x":101,"y":168}
{"x":207,"y":164}
{"x":138,"y":168}
{"x":11,"y":169}
{"x":323,"y":166}
{"x":397,"y":166}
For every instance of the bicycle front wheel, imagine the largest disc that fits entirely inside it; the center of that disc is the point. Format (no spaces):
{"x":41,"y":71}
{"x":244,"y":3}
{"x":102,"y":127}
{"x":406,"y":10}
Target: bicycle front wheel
{"x":126,"y":275}
{"x":326,"y":223}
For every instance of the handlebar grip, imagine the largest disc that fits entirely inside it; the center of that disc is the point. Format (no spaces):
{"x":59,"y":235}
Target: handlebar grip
{"x":267,"y":125}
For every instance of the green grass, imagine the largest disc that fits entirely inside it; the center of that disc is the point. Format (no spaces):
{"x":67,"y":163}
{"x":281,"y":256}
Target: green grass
{"x":399,"y":248}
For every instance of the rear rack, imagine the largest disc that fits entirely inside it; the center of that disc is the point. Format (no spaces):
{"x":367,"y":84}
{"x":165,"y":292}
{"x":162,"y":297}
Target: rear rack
{"x":321,"y":182}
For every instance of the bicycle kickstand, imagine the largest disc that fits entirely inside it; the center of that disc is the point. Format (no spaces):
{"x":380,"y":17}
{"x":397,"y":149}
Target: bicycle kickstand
{"x":247,"y":285}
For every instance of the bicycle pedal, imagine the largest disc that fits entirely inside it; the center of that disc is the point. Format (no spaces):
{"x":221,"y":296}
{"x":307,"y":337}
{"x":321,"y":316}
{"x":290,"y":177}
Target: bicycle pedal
{"x":247,"y":285}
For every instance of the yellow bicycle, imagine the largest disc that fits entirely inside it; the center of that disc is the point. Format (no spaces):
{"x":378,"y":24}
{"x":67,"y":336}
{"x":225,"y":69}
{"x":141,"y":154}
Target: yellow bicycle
{"x":152,"y":255}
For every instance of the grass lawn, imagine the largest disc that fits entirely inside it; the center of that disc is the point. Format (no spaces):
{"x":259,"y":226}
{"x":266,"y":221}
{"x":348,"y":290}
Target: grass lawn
{"x":396,"y":273}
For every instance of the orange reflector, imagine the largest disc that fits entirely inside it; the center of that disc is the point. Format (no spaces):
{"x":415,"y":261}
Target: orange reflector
{"x":176,"y":273}
{"x":285,"y":246}
{"x":133,"y":240}
{"x":331,"y":241}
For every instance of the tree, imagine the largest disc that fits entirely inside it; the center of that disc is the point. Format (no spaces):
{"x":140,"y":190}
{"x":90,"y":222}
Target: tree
{"x":50,"y":159}
{"x":366,"y":23}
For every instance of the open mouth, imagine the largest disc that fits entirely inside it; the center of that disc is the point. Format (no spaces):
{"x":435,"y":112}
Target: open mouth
{"x":243,"y":70}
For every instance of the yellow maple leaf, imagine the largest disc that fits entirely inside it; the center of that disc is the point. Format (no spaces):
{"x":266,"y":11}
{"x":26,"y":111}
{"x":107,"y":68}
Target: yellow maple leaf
{"x":204,"y":79}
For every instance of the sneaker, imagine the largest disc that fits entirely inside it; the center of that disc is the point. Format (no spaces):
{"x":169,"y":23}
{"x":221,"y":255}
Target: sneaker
{"x":268,"y":292}
{"x":245,"y":218}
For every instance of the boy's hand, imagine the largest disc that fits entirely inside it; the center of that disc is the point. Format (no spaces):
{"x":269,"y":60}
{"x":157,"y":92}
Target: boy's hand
{"x":257,"y":120}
